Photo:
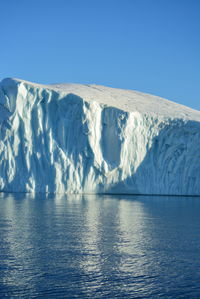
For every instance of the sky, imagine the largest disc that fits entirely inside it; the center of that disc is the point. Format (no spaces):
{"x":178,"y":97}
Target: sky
{"x":152,"y":46}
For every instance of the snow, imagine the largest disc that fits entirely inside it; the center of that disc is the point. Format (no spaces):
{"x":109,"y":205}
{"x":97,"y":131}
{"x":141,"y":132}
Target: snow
{"x":94,"y":139}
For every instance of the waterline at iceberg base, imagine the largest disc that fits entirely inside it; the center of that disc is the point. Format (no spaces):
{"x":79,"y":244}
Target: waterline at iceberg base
{"x":93,"y":139}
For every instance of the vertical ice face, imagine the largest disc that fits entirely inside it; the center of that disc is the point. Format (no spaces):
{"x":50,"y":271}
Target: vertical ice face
{"x":89,"y":139}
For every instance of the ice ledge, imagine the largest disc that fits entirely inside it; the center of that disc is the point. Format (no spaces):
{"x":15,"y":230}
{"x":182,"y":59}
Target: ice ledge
{"x":126,"y":100}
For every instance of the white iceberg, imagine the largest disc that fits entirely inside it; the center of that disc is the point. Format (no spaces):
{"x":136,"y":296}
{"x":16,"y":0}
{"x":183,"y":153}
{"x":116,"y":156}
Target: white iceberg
{"x":93,"y":139}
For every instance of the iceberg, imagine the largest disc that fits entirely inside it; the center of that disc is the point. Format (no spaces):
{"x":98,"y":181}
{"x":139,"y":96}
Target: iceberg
{"x":73,"y":138}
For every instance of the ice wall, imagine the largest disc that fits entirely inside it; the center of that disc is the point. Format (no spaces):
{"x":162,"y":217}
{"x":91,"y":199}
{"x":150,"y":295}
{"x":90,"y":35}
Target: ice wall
{"x":93,"y":139}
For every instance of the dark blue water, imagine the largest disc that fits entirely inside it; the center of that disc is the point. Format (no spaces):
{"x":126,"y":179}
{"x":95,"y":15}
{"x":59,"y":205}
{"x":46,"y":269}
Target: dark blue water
{"x":99,"y":247}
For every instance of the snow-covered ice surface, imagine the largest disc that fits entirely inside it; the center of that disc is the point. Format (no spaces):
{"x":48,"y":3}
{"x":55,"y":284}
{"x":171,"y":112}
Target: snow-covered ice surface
{"x":94,"y":139}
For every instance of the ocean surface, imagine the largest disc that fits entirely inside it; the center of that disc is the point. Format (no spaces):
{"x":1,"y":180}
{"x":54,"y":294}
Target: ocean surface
{"x":59,"y":246}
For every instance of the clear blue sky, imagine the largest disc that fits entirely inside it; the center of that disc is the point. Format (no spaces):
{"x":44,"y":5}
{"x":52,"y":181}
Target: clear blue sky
{"x":147,"y":45}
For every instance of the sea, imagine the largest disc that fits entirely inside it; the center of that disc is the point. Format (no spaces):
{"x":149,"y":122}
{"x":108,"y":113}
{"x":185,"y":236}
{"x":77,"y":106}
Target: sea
{"x":99,"y":246}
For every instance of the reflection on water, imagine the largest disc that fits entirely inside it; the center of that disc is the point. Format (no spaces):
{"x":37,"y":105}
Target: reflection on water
{"x":99,"y":246}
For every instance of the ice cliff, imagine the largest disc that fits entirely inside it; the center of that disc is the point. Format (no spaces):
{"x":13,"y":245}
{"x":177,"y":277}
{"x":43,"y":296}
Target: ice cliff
{"x":94,"y":139}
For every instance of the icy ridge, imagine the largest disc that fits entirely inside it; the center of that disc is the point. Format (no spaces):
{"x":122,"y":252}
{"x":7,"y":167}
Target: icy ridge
{"x":95,"y":139}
